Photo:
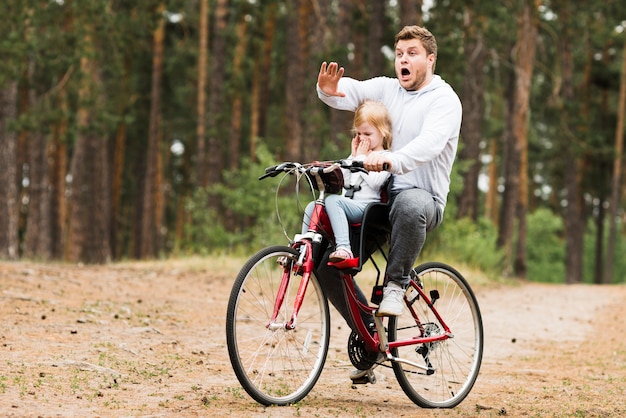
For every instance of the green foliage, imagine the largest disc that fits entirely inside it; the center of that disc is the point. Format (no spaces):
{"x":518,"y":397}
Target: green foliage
{"x":205,"y":233}
{"x":262,"y":215}
{"x":619,"y":261}
{"x":589,"y":263}
{"x":545,"y":247}
{"x":465,"y":241}
{"x":43,"y":43}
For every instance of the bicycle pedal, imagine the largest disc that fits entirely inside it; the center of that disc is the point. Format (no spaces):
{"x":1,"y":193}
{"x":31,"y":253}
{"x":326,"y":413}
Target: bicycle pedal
{"x":368,"y":377}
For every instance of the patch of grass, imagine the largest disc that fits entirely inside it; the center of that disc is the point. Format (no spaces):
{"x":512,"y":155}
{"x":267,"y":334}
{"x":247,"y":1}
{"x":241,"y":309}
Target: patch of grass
{"x":236,"y":392}
{"x":208,"y":400}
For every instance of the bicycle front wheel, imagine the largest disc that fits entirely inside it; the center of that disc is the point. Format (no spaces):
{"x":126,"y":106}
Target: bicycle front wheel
{"x":449,"y":368}
{"x":274,"y":364}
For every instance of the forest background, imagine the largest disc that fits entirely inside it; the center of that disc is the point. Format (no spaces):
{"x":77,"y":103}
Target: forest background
{"x":138,"y":130}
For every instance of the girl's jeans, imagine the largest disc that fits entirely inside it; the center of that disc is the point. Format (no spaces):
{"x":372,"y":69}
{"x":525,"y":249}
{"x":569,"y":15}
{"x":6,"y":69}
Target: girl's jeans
{"x":342,"y":212}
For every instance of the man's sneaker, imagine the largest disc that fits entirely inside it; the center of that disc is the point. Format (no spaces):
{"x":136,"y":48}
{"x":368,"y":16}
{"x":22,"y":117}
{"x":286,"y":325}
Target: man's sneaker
{"x":393,"y":300}
{"x":361,"y":377}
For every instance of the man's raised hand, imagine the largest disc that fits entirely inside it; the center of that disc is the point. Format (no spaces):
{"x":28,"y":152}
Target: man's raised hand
{"x":328,"y":79}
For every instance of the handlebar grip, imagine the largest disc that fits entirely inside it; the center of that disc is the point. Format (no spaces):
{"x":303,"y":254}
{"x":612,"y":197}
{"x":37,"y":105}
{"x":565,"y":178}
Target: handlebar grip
{"x":359,"y":164}
{"x":270,"y":172}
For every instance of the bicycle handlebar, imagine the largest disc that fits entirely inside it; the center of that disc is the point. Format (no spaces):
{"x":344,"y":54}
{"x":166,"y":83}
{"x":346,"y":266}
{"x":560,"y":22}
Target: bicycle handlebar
{"x":326,"y":166}
{"x":359,"y":164}
{"x":275,"y":170}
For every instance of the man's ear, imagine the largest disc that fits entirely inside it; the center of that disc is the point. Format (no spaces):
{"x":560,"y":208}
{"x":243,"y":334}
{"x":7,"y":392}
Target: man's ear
{"x":431,"y":61}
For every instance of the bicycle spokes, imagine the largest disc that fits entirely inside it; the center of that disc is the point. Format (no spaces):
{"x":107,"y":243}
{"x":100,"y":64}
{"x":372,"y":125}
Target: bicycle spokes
{"x":445,"y":322}
{"x":275,"y":363}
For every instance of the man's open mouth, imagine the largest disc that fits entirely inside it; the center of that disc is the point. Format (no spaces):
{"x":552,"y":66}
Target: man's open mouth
{"x":405,"y":71}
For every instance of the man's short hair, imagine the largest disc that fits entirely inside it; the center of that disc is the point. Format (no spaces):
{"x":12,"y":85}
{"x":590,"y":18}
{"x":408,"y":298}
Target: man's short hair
{"x":417,"y":32}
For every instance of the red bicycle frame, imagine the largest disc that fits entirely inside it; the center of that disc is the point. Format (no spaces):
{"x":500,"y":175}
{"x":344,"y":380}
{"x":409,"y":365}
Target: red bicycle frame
{"x":320,"y":223}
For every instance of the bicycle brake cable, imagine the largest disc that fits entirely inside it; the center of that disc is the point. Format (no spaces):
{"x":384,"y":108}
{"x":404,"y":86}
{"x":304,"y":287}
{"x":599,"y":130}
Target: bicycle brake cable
{"x":276,"y":195}
{"x":299,"y":172}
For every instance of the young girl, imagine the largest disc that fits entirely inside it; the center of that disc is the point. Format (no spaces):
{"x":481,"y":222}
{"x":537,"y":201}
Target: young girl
{"x":371,"y":133}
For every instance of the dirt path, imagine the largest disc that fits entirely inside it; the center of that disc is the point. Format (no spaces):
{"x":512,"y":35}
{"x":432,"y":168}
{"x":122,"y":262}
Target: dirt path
{"x":147,"y":340}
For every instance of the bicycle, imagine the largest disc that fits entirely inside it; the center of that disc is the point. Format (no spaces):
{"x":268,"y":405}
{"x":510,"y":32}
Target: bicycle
{"x":278,"y":322}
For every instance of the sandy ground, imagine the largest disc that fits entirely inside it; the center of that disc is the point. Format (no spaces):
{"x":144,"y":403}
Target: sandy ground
{"x":147,"y":340}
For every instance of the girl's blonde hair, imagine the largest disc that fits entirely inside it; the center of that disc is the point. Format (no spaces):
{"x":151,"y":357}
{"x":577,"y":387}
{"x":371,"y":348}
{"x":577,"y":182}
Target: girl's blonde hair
{"x":376,"y":114}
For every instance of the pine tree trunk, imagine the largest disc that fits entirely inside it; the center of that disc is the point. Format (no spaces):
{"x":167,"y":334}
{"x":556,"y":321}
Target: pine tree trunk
{"x":410,"y":12}
{"x":59,"y":157}
{"x":473,"y":110}
{"x":37,"y":243}
{"x":320,"y":35}
{"x":514,"y":205}
{"x":294,"y":82}
{"x":573,"y":216}
{"x":76,"y":227}
{"x":119,"y":155}
{"x":510,"y":195}
{"x":491,"y":203}
{"x":58,"y":175}
{"x":202,"y":78}
{"x":525,"y":62}
{"x":617,"y":174}
{"x":237,"y":110}
{"x":263,"y":99}
{"x":377,"y":19}
{"x":97,"y":248}
{"x":9,"y":240}
{"x":89,"y":222}
{"x":341,"y":122}
{"x":152,"y":185}
{"x":215,"y":121}
{"x":598,"y":249}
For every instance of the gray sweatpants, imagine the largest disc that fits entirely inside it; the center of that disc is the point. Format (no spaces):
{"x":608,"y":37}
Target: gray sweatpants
{"x":413,"y":213}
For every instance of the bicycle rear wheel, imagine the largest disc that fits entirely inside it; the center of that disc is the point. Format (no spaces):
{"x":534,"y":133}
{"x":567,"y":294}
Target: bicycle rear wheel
{"x":452,"y":364}
{"x":276,"y":366}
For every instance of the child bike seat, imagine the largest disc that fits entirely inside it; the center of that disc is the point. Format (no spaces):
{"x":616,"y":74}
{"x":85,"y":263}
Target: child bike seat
{"x":371,"y":233}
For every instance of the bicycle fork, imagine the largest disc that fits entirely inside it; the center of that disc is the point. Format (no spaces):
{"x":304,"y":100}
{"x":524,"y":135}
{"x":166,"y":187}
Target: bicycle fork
{"x":305,"y":264}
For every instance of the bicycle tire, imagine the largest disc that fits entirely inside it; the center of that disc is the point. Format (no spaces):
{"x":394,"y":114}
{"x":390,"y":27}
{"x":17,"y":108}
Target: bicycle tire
{"x":454,"y":363}
{"x":279,"y":366}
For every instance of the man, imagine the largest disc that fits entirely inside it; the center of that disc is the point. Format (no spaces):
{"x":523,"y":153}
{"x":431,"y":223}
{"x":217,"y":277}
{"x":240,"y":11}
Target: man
{"x":426,"y":116}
